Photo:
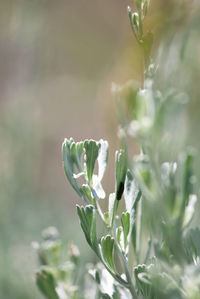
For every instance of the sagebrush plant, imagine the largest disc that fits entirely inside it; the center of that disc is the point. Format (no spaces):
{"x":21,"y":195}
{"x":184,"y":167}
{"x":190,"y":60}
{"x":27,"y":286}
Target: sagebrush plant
{"x":150,"y":249}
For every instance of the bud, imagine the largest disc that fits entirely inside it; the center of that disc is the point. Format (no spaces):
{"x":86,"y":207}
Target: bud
{"x":135,"y":19}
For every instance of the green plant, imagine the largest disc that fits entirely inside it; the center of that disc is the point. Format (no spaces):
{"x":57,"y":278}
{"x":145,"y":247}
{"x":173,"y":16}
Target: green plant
{"x":149,"y":247}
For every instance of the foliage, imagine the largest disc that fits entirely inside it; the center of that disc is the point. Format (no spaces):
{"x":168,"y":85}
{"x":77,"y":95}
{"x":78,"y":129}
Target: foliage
{"x":150,"y":248}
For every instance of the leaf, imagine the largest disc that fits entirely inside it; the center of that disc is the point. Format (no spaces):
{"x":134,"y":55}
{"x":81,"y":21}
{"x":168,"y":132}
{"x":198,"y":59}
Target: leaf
{"x":188,"y":161}
{"x":46,"y":283}
{"x":131,"y":191}
{"x":87,"y":216}
{"x":69,"y":158}
{"x":107,"y":251}
{"x":142,"y":280}
{"x":121,"y":168}
{"x":190,"y":210}
{"x":102,"y":158}
{"x":187,"y":185}
{"x":87,"y":192}
{"x":91,"y":150}
{"x":76,"y":151}
{"x":95,"y":275}
{"x":72,"y":157}
{"x":125,"y":219}
{"x":192,"y":243}
{"x":120,"y":237}
{"x":133,"y":219}
{"x":132,"y":195}
{"x":112,"y":208}
{"x":97,"y":189}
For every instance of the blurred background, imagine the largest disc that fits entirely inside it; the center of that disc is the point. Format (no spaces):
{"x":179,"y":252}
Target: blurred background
{"x":57,"y":62}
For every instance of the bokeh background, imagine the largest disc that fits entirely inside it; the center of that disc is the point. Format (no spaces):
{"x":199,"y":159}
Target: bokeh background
{"x":57,"y":62}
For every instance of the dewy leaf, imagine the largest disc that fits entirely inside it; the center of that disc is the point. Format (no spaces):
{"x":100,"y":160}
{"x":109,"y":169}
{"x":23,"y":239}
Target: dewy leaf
{"x":46,"y":284}
{"x":68,"y":160}
{"x":91,"y":150}
{"x":102,"y":158}
{"x":121,"y":169}
{"x":107,"y":251}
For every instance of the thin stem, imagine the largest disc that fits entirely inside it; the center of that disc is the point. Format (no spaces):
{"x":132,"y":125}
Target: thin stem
{"x":130,"y":285}
{"x":98,"y":208}
{"x":138,"y":230}
{"x":140,"y":24}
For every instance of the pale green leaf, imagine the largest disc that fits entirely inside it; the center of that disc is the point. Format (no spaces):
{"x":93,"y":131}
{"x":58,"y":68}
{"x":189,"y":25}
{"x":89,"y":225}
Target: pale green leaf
{"x":91,"y":150}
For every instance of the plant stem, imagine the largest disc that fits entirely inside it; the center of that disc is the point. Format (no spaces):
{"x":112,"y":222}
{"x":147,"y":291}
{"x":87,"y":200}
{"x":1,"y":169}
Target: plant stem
{"x":130,"y":285}
{"x":138,"y":230}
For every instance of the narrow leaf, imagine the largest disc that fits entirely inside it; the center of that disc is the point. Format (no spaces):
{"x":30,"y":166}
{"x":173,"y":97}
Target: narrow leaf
{"x":91,"y":151}
{"x":121,"y":168}
{"x":102,"y":158}
{"x":125,"y":219}
{"x":107,"y":251}
{"x":69,"y":164}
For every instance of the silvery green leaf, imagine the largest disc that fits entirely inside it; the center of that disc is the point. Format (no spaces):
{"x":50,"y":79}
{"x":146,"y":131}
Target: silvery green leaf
{"x":189,"y":210}
{"x":87,"y":218}
{"x":107,"y":284}
{"x":91,"y":151}
{"x":188,"y":161}
{"x":76,"y":151}
{"x":107,"y":251}
{"x":69,"y":158}
{"x":130,"y":191}
{"x":121,"y":169}
{"x":112,"y":208}
{"x":125,"y":219}
{"x":95,"y":275}
{"x":142,"y":280}
{"x":87,"y":192}
{"x":102,"y":158}
{"x":120,"y":237}
{"x":97,"y":188}
{"x":192,"y":243}
{"x":144,"y":104}
{"x":132,"y":196}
